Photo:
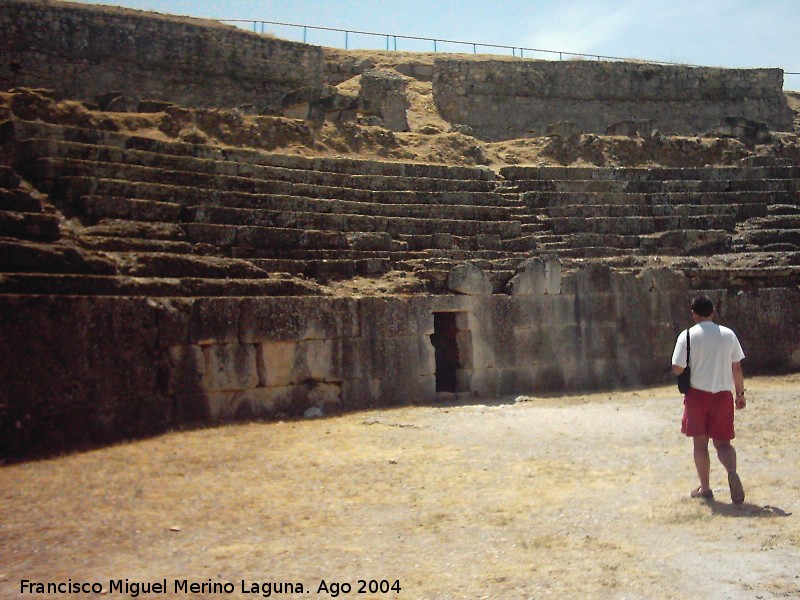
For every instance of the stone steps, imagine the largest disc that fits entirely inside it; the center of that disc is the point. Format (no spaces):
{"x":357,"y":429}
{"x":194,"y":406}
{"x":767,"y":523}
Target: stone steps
{"x":282,"y":180}
{"x":63,"y":133}
{"x":539,"y":200}
{"x":747,"y":277}
{"x":640,"y":225}
{"x":660,"y":187}
{"x":111,"y":243}
{"x":9,"y":179}
{"x":98,"y":206}
{"x":776,"y":221}
{"x":227,"y":226}
{"x":773,"y":239}
{"x":596,"y":244}
{"x":123,"y":285}
{"x":17,"y":200}
{"x":29,"y":225}
{"x":43,"y":156}
{"x":23,"y":256}
{"x":783,"y":209}
{"x":515,"y":175}
{"x":67,"y":189}
{"x":171,"y":265}
{"x":658,"y":210}
{"x":394,"y":226}
{"x":43,"y":171}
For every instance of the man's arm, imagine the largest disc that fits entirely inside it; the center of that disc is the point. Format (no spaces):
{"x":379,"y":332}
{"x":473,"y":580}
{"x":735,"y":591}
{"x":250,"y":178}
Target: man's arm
{"x":679,"y":353}
{"x":738,"y":384}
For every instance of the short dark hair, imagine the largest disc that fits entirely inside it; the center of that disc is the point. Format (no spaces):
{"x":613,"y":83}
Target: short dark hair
{"x":703,"y":306}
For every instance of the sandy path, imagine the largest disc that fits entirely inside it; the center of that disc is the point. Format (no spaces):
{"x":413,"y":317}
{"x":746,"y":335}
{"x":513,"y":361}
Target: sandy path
{"x":568,"y":497}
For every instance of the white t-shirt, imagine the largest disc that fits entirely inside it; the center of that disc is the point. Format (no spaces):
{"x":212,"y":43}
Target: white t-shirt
{"x":714,"y":349}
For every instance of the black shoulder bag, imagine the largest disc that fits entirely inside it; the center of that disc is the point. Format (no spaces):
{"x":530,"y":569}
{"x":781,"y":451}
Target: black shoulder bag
{"x":684,"y":379}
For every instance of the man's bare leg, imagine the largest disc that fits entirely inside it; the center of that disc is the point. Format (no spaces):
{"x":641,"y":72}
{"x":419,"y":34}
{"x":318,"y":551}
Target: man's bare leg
{"x":702,"y":461}
{"x":727,"y":455}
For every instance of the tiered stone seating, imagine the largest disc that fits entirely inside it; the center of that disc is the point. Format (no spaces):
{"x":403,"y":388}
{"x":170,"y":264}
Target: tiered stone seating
{"x":601,"y":211}
{"x":22,"y":215}
{"x":178,"y":212}
{"x":146,"y":216}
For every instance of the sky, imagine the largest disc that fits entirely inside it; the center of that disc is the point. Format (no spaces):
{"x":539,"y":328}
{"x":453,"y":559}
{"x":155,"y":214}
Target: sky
{"x":715,"y":33}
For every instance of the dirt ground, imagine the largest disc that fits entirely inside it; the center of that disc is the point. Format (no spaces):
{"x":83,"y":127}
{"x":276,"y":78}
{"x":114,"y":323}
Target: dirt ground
{"x":580,"y":496}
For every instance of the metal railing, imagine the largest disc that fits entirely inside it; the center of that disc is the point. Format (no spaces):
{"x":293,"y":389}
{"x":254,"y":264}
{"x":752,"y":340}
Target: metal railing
{"x":391,"y":43}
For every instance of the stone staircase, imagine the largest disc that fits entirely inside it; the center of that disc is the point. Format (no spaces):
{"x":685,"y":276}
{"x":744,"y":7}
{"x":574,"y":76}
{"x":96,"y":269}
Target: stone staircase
{"x":23,"y":215}
{"x":597,"y":212}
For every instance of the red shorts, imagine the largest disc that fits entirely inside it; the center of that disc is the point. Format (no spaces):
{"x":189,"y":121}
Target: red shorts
{"x":708,"y":414}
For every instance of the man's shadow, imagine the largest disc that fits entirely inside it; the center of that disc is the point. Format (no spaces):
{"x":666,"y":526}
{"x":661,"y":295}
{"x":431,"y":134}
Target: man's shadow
{"x":746,"y":510}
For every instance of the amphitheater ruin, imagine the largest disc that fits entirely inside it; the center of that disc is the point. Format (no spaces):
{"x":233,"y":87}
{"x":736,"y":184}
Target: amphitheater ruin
{"x":208,"y":224}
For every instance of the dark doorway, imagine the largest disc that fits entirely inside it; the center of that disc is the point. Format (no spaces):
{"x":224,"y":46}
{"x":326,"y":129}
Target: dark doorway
{"x":446,"y":349}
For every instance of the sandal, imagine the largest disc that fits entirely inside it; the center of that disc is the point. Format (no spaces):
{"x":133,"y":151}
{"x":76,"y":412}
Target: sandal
{"x":737,"y":490}
{"x":705,"y":495}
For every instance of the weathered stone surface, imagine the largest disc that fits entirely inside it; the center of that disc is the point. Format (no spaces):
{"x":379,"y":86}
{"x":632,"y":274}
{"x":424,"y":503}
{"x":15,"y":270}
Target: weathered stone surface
{"x":290,"y":319}
{"x":467,"y":279}
{"x":247,"y":68}
{"x":512,"y":99}
{"x":229,"y":367}
{"x":536,"y":276}
{"x":78,"y":371}
{"x":287,"y":363}
{"x":383,"y":94}
{"x":749,"y":131}
{"x":395,"y":317}
{"x":214,"y":320}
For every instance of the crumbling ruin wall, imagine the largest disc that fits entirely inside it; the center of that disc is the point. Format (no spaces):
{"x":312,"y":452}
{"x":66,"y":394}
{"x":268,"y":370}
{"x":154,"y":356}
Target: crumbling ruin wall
{"x":83,"y":371}
{"x":506,"y":99}
{"x":85,"y":52}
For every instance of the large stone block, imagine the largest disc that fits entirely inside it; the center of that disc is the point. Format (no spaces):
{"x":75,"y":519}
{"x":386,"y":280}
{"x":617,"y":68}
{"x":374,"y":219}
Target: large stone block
{"x":79,"y":371}
{"x":360,"y":393}
{"x":278,"y":365}
{"x":482,"y":382}
{"x":294,"y":319}
{"x":274,"y":402}
{"x":187,"y":366}
{"x":534,"y":345}
{"x":536,"y":276}
{"x":589,"y":279}
{"x":395,"y":317}
{"x":230,"y":367}
{"x":397,"y":357}
{"x":214,"y":321}
{"x":287,"y":363}
{"x":174,"y":318}
{"x":383,"y":94}
{"x":467,"y":279}
{"x":412,"y":389}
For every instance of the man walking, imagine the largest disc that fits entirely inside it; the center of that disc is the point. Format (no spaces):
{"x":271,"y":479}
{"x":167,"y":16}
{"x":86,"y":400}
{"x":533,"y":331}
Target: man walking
{"x":715,"y":359}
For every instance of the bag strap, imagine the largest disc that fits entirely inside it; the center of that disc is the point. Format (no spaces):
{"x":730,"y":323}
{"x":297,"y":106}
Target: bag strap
{"x":688,"y":346}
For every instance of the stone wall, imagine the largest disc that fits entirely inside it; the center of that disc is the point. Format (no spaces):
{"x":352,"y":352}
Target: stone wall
{"x":505,"y":99}
{"x":84,"y":52}
{"x":84,"y":371}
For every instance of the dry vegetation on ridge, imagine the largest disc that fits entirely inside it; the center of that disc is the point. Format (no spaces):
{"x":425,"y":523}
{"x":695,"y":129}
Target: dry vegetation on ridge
{"x":431,"y":138}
